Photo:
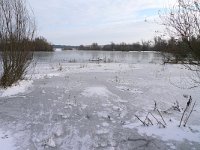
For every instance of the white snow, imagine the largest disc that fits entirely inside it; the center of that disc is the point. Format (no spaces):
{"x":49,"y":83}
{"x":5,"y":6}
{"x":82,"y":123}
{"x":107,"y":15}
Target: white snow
{"x":6,"y":142}
{"x":103,"y":114}
{"x":58,"y":49}
{"x":102,"y":131}
{"x":140,"y":85}
{"x":76,"y":141}
{"x":59,"y":129}
{"x":51,"y":142}
{"x":132,"y":90}
{"x":171,"y":132}
{"x":47,"y":71}
{"x":19,"y":87}
{"x":105,"y":124}
{"x":96,"y":92}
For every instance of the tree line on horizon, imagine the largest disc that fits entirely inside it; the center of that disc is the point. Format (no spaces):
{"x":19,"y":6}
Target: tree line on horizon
{"x":145,"y":46}
{"x":177,"y":47}
{"x":36,"y":44}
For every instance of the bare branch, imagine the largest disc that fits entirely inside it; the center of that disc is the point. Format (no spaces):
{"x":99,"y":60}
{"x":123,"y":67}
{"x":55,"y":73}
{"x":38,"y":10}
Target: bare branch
{"x":186,"y":108}
{"x":161,"y":117}
{"x":189,"y":114}
{"x":141,"y":121}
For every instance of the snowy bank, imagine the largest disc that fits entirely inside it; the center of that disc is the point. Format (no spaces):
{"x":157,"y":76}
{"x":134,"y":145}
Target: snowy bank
{"x":17,"y":88}
{"x":171,"y":132}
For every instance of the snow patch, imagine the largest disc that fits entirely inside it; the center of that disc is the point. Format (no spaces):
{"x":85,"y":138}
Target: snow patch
{"x":105,"y":124}
{"x":172,"y":146}
{"x":58,"y":49}
{"x":51,"y":143}
{"x":58,"y":131}
{"x":17,"y":88}
{"x":6,"y":142}
{"x":74,"y":141}
{"x":134,"y":91}
{"x":121,"y":100}
{"x":102,"y":131}
{"x":103,"y":114}
{"x":171,"y":132}
{"x":96,"y":92}
{"x":46,"y":76}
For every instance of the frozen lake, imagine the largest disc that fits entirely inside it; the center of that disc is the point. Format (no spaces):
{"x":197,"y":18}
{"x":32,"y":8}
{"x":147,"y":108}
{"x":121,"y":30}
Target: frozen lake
{"x":104,"y":56}
{"x":68,"y":101}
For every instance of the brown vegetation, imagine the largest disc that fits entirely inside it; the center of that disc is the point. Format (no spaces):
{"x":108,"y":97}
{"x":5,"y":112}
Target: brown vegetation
{"x":17,"y":29}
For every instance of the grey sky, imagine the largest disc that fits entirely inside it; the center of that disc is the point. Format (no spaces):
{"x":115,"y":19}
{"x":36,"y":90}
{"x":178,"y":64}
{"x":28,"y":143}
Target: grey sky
{"x":75,"y":22}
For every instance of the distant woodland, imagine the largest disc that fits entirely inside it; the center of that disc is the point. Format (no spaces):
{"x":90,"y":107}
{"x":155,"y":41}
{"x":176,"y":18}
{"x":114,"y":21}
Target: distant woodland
{"x":37,"y":44}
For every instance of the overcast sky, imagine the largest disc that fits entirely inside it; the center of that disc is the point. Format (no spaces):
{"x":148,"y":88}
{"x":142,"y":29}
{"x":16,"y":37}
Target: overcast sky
{"x":75,"y":22}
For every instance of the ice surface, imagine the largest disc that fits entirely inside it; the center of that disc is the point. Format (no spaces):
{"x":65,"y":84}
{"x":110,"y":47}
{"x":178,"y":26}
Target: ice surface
{"x":92,"y":106}
{"x":96,"y":92}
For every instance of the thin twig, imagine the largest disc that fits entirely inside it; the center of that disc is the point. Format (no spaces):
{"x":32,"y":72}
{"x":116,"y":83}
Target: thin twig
{"x":154,"y":117}
{"x":155,"y":105}
{"x":161,"y":117}
{"x":146,"y":117}
{"x":141,"y":121}
{"x":183,"y":116}
{"x":189,"y":114}
{"x":158,"y":120}
{"x":150,"y":121}
{"x":187,"y":106}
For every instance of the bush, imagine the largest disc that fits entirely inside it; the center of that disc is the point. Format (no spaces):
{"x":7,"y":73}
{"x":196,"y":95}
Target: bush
{"x":16,"y":33}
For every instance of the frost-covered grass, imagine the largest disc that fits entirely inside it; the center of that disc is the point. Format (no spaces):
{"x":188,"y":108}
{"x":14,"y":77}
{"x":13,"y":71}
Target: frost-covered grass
{"x":93,"y":106}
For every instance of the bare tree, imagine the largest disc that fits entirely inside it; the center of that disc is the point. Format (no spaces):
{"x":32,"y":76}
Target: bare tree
{"x":17,"y":30}
{"x":182,"y":22}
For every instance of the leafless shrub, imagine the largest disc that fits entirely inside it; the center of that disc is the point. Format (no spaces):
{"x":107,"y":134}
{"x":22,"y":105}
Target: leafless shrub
{"x":182,"y":22}
{"x":17,"y":29}
{"x":152,"y":116}
{"x":147,"y":121}
{"x":175,"y":107}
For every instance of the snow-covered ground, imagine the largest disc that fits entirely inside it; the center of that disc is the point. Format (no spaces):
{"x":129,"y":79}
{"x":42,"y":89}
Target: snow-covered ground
{"x":93,"y":106}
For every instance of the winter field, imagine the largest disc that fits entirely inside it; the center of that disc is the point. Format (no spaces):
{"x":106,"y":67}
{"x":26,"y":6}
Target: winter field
{"x":92,"y":105}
